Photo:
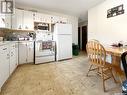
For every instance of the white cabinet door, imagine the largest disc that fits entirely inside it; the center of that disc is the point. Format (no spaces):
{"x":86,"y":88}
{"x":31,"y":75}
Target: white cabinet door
{"x":39,"y":17}
{"x":26,"y":52}
{"x":23,"y":20}
{"x":19,"y":19}
{"x":4,"y":64}
{"x":5,"y":21}
{"x":17,"y":53}
{"x":55,"y":19}
{"x":30,"y":48}
{"x":8,"y":21}
{"x":13,"y":63}
{"x":36,"y":17}
{"x":2,"y":21}
{"x":28,"y":23}
{"x":47,"y":18}
{"x":22,"y":52}
{"x":12,"y":60}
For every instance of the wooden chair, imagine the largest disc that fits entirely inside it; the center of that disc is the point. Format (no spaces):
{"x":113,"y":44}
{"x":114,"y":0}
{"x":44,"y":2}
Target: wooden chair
{"x":97,"y":56}
{"x":94,"y":40}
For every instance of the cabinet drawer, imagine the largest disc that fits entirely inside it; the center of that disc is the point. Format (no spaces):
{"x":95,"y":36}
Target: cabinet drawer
{"x":3,"y":49}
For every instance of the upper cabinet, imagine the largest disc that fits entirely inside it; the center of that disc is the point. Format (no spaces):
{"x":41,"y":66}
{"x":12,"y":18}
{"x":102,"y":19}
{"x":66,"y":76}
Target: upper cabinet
{"x":28,"y":22}
{"x":2,"y":21}
{"x":17,"y":19}
{"x":8,"y":21}
{"x":5,"y":21}
{"x":39,"y":17}
{"x":23,"y":20}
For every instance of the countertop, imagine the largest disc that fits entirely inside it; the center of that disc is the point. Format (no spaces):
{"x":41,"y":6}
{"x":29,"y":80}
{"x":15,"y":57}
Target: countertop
{"x":11,"y":42}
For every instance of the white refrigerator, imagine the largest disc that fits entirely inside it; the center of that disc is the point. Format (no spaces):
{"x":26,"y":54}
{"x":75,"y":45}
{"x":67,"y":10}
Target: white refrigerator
{"x":63,"y":38}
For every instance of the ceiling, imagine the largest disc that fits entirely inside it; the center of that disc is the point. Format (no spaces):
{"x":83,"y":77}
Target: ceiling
{"x":77,"y":8}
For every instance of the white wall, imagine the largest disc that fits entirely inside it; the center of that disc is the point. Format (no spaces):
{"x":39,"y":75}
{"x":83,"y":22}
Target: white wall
{"x":72,"y":19}
{"x":107,"y":30}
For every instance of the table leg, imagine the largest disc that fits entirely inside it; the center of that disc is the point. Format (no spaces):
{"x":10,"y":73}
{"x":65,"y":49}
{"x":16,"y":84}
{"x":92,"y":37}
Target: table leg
{"x":116,"y":61}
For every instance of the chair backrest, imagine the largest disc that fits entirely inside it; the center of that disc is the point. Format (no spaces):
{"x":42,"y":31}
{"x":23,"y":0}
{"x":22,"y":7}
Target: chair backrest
{"x":124,"y":62}
{"x":94,"y":40}
{"x":96,"y":52}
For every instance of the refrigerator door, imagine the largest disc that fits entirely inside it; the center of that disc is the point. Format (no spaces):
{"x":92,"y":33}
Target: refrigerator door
{"x":64,"y":47}
{"x":63,"y":29}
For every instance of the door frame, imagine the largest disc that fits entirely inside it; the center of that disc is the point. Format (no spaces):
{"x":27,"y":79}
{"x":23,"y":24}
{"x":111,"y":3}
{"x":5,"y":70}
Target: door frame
{"x":84,"y":49}
{"x":79,"y":37}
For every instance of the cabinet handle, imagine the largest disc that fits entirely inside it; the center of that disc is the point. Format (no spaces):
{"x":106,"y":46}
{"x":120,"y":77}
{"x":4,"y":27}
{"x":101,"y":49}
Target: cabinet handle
{"x":19,"y":27}
{"x":12,"y":53}
{"x":26,"y":27}
{"x":5,"y":49}
{"x":8,"y":56}
{"x":3,"y":20}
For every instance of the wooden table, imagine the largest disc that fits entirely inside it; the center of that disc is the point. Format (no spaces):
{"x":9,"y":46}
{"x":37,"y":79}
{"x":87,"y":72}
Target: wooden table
{"x":115,"y":52}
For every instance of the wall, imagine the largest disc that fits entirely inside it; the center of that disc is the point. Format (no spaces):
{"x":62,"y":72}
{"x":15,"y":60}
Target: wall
{"x":84,"y":23}
{"x":72,"y":19}
{"x":107,"y":30}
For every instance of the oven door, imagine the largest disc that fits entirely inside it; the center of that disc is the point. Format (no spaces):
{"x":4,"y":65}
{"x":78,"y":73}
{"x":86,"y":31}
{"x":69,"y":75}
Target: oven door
{"x":44,"y":52}
{"x":43,"y":48}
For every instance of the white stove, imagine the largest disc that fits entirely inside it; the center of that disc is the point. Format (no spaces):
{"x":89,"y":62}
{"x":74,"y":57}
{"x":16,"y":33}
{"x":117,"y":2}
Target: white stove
{"x":44,"y":48}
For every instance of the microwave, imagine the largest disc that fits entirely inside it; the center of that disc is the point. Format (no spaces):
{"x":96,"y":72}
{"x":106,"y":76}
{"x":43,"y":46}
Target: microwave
{"x":41,"y":26}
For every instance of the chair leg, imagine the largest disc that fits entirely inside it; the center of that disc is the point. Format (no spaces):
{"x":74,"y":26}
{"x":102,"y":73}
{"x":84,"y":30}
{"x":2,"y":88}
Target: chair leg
{"x":89,"y":70}
{"x":98,"y":71}
{"x":120,"y":79}
{"x":103,"y":80}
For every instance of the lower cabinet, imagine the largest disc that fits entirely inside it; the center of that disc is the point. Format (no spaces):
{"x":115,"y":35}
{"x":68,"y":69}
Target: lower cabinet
{"x":30,"y":52}
{"x":26,"y":52}
{"x":8,"y":61}
{"x":4,"y":64}
{"x":13,"y":58}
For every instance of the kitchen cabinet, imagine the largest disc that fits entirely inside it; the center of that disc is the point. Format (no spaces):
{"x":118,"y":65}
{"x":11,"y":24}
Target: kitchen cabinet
{"x":2,"y":21}
{"x":17,"y":19}
{"x":17,"y":53}
{"x":39,"y":17}
{"x":23,"y":20}
{"x":4,"y":64}
{"x":28,"y":23}
{"x":13,"y":58}
{"x":5,"y":21}
{"x":8,"y":21}
{"x":26,"y":52}
{"x":22,"y":52}
{"x":30,"y":52}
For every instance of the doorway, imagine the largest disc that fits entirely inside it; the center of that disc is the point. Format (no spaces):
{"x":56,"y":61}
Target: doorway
{"x":84,"y":37}
{"x":79,"y":37}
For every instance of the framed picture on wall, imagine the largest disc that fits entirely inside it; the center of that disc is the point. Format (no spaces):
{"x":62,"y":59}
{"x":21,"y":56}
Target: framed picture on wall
{"x":7,"y":7}
{"x":115,"y":11}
